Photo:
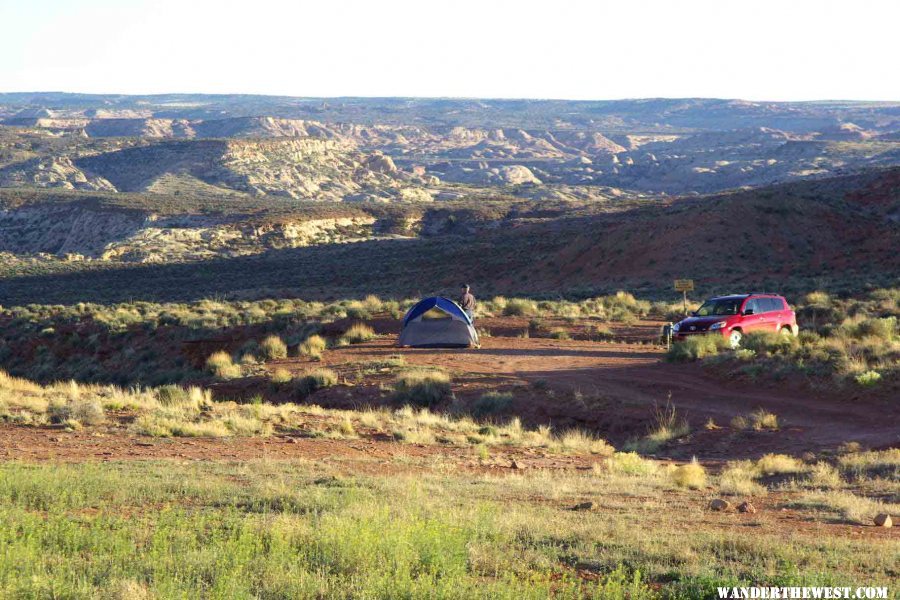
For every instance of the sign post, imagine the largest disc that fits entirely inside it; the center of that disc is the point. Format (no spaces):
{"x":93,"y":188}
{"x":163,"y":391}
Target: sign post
{"x":684,"y":286}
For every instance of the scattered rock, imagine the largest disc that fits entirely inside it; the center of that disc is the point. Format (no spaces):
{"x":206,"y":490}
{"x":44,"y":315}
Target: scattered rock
{"x":883,"y":520}
{"x":746,"y":507}
{"x":720,"y":505}
{"x":584,"y":506}
{"x":292,"y":441}
{"x":514,"y":465}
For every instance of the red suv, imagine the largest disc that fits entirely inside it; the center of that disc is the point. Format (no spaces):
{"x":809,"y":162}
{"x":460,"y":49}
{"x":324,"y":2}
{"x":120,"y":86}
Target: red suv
{"x":738,"y":314}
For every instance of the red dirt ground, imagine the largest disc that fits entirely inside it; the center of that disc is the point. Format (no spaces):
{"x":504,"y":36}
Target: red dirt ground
{"x":610,"y":388}
{"x":615,"y":388}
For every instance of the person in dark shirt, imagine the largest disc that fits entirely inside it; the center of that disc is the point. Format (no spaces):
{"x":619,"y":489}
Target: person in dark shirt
{"x":467,"y":302}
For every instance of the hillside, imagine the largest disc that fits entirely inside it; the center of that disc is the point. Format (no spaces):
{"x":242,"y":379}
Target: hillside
{"x":790,"y":237}
{"x":651,"y":146}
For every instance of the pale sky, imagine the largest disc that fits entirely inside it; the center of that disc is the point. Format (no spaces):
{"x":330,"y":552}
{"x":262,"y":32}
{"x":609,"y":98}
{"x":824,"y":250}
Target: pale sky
{"x":592,"y":49}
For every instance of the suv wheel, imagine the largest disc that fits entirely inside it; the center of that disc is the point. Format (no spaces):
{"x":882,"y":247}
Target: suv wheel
{"x":734,"y":340}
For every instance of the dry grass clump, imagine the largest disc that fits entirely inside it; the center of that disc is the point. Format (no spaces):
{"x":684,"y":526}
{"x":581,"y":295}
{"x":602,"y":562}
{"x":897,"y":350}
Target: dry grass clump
{"x":314,"y":380}
{"x":520,"y":307}
{"x":583,"y":442}
{"x":778,"y":464}
{"x":313,"y":347}
{"x":422,"y":387}
{"x":697,"y":347}
{"x":272,"y":348}
{"x":220,"y":364}
{"x":759,"y":420}
{"x":737,"y":479}
{"x":691,"y":475}
{"x":357,"y":334}
{"x":627,"y":463}
{"x":280,"y":377}
{"x":847,"y":505}
{"x":762,"y":420}
{"x":491,"y":403}
{"x":667,"y":426}
{"x":881,"y":463}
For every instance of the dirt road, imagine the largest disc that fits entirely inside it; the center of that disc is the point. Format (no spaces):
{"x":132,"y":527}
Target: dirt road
{"x":614,"y":388}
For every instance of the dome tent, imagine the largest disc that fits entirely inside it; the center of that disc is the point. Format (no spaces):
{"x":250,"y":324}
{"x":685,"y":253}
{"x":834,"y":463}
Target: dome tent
{"x":437,"y":323}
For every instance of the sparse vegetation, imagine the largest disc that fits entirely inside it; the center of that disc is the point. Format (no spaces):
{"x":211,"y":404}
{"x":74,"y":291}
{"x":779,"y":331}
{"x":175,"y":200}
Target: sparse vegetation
{"x":313,"y":347}
{"x":691,"y":475}
{"x":272,"y":348}
{"x":697,"y":347}
{"x":357,"y":334}
{"x":492,"y":403}
{"x":314,"y":380}
{"x":422,"y":387}
{"x":221,"y":365}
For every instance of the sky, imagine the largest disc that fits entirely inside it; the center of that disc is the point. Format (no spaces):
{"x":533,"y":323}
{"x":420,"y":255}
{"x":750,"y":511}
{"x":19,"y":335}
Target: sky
{"x":592,"y":49}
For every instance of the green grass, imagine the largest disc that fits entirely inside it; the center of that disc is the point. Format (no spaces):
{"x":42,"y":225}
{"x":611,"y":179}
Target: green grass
{"x":269,"y":529}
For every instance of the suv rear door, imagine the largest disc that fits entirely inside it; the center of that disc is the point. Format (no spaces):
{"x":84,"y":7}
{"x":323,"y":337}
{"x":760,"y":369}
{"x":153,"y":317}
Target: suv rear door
{"x":754,"y":321}
{"x":780,"y":314}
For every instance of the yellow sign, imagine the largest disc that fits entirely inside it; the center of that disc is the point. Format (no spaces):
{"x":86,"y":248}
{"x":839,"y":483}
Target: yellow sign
{"x":684,"y":285}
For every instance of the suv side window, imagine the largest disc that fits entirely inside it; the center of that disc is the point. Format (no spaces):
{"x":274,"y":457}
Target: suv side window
{"x":777,"y":304}
{"x":752,"y":304}
{"x":764,"y":305}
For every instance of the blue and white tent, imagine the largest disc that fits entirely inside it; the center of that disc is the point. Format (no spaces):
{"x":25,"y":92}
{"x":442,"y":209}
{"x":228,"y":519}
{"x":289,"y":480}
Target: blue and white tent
{"x":437,"y":323}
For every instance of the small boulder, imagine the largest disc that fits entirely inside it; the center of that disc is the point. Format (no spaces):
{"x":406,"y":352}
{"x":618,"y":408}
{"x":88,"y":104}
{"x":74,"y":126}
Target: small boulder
{"x":883,"y":520}
{"x":746,"y":507}
{"x":720,"y":505}
{"x":514,"y":465}
{"x":584,"y":506}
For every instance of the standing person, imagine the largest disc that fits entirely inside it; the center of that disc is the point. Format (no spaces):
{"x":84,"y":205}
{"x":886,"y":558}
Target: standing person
{"x":467,"y":302}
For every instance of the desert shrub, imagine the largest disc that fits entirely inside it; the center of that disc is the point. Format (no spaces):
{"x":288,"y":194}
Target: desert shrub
{"x":172,"y":395}
{"x":763,"y":419}
{"x":818,"y":299}
{"x":737,"y":479}
{"x":272,"y":348}
{"x":629,"y":463}
{"x":422,"y":387}
{"x":315,"y":380}
{"x":491,"y":403}
{"x":767,"y":342}
{"x":221,"y":365}
{"x":560,"y":334}
{"x":600,"y":332}
{"x":85,"y":412}
{"x":696,"y":347}
{"x":577,"y":440}
{"x":877,"y":463}
{"x":777,"y":464}
{"x":313,"y":347}
{"x":868,"y":378}
{"x":823,"y":476}
{"x":520,"y":307}
{"x":357,"y":334}
{"x":280,"y":377}
{"x":691,"y":475}
{"x":883,"y":329}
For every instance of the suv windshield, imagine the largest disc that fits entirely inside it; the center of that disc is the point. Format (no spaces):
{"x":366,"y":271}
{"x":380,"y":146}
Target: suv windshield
{"x":725,"y":306}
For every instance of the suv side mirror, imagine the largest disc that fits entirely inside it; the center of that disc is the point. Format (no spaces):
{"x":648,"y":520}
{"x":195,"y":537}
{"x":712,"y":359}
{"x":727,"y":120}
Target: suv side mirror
{"x":749,"y":311}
